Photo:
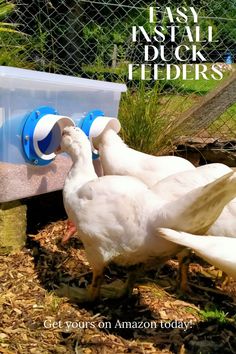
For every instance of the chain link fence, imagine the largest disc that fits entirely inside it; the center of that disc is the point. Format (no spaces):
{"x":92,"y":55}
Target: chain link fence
{"x":93,"y":39}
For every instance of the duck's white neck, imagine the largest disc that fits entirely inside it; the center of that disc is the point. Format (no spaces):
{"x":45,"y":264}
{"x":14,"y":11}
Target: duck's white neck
{"x":82,"y":170}
{"x":110,"y":137}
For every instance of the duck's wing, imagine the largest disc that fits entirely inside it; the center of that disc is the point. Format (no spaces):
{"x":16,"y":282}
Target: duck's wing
{"x":198,"y":209}
{"x":225,"y":225}
{"x":178,"y":184}
{"x":112,"y":217}
{"x":217,"y":250}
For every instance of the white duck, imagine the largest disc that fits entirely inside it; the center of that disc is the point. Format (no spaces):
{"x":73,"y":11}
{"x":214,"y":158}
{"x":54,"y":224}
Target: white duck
{"x":170,"y":176}
{"x":117,"y":216}
{"x":118,"y":159}
{"x":168,"y":183}
{"x":176,"y":185}
{"x":217,"y":250}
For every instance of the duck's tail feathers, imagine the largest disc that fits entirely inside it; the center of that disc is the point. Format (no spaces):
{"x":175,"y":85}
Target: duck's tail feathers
{"x":217,"y":250}
{"x":198,"y":209}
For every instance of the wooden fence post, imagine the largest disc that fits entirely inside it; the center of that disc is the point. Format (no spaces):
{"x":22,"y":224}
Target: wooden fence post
{"x":209,"y":109}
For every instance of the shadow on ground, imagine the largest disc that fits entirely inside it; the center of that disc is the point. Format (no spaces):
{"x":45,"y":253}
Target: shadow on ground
{"x":154,"y":315}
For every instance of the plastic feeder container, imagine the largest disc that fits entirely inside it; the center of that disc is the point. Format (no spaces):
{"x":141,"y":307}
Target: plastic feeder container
{"x":22,"y":93}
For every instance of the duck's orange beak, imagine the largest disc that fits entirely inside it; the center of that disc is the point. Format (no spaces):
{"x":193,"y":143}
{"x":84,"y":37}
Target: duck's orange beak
{"x":58,"y":150}
{"x":70,"y":231}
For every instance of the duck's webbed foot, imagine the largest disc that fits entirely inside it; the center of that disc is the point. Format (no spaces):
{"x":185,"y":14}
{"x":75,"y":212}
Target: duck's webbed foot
{"x":95,"y":288}
{"x":184,"y":261}
{"x":82,"y":295}
{"x":118,"y":288}
{"x":222,"y":279}
{"x":79,"y":295}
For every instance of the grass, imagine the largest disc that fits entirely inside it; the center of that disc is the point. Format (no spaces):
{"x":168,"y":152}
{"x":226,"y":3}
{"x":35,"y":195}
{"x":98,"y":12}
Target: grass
{"x":148,"y":111}
{"x":141,"y":121}
{"x":226,"y":123}
{"x":192,"y":310}
{"x":201,"y":86}
{"x":179,"y":85}
{"x":215,"y":314}
{"x":147,"y":115}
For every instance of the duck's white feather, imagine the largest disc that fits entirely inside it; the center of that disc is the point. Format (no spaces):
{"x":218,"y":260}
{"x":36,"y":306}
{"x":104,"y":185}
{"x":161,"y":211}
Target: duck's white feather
{"x":118,"y":159}
{"x":117,"y":216}
{"x":201,"y":207}
{"x":217,"y":250}
{"x":170,"y":177}
{"x":179,"y":184}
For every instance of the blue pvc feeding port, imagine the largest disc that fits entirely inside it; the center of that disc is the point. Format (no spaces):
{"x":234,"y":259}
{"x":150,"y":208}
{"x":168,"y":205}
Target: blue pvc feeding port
{"x":49,"y":144}
{"x":31,"y":122}
{"x":87,"y":123}
{"x":45,"y":143}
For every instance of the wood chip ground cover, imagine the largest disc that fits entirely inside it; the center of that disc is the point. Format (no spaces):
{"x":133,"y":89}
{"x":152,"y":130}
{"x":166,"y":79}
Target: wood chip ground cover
{"x":35,"y":319}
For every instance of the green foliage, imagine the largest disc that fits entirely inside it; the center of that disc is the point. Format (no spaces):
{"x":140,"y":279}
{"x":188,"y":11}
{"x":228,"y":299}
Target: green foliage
{"x":17,"y":47}
{"x":147,"y":116}
{"x":221,"y":15}
{"x":12,"y":41}
{"x":201,"y":86}
{"x":214,"y":314}
{"x":6,"y":9}
{"x":226,"y":123}
{"x":39,"y":45}
{"x":96,"y":36}
{"x":112,"y":28}
{"x":142,"y":123}
{"x":226,"y":28}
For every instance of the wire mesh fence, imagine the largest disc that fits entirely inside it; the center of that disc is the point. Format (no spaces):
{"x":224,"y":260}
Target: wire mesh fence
{"x":99,"y":39}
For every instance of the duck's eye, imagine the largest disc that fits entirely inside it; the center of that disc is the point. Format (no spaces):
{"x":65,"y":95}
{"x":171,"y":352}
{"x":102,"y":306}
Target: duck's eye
{"x":64,"y":133}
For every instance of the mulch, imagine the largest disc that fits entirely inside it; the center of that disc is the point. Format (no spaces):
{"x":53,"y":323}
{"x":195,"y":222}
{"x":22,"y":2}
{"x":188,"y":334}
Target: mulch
{"x":35,"y":319}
